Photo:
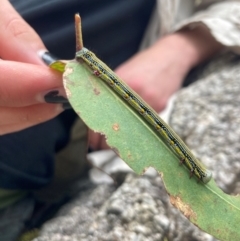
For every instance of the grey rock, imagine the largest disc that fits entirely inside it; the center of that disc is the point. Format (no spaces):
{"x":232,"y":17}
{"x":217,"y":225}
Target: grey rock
{"x":207,"y":117}
{"x":138,"y":210}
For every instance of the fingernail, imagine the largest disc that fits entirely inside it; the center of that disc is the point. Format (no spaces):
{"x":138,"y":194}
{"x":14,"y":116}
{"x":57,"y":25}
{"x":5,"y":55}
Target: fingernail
{"x":66,"y":106}
{"x":47,"y":57}
{"x":54,"y":96}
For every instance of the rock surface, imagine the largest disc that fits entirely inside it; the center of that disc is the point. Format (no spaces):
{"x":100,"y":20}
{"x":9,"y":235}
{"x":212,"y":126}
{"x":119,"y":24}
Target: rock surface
{"x":207,"y":117}
{"x":138,"y":210}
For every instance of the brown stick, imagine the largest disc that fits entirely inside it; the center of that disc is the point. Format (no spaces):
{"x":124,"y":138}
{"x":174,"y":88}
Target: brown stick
{"x":78,"y":30}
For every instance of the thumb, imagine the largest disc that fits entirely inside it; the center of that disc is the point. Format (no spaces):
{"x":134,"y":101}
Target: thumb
{"x":18,"y":42}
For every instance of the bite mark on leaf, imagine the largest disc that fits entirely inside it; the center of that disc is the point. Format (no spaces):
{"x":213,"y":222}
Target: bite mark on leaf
{"x":183,"y":207}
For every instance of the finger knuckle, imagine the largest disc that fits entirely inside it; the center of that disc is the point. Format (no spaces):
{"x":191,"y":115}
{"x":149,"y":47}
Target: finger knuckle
{"x":16,"y":26}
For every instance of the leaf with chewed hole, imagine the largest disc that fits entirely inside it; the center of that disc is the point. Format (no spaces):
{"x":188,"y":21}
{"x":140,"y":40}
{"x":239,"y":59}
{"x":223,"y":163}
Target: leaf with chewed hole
{"x":128,"y":134}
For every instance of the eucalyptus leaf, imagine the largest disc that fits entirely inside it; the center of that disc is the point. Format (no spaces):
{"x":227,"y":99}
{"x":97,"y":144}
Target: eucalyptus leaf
{"x":128,"y":134}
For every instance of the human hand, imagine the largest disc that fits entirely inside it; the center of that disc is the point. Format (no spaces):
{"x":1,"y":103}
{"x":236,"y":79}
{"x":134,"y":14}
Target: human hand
{"x":157,"y":72}
{"x":24,"y":80}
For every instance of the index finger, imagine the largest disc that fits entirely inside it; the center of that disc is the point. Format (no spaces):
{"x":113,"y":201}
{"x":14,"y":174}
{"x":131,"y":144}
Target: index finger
{"x":25,"y":84}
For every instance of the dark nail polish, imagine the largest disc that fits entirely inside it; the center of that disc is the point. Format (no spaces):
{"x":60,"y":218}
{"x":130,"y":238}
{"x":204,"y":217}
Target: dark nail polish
{"x":53,"y":97}
{"x":66,"y":106}
{"x":48,"y":58}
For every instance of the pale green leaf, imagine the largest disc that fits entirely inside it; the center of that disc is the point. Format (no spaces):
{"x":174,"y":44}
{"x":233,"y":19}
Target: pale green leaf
{"x":140,"y":147}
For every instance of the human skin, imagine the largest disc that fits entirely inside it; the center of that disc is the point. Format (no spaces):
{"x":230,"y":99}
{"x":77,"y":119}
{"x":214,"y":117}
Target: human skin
{"x":24,"y":78}
{"x":155,"y":73}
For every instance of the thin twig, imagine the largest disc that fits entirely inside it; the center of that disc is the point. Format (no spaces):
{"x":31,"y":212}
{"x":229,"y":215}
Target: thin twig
{"x":78,"y":29}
